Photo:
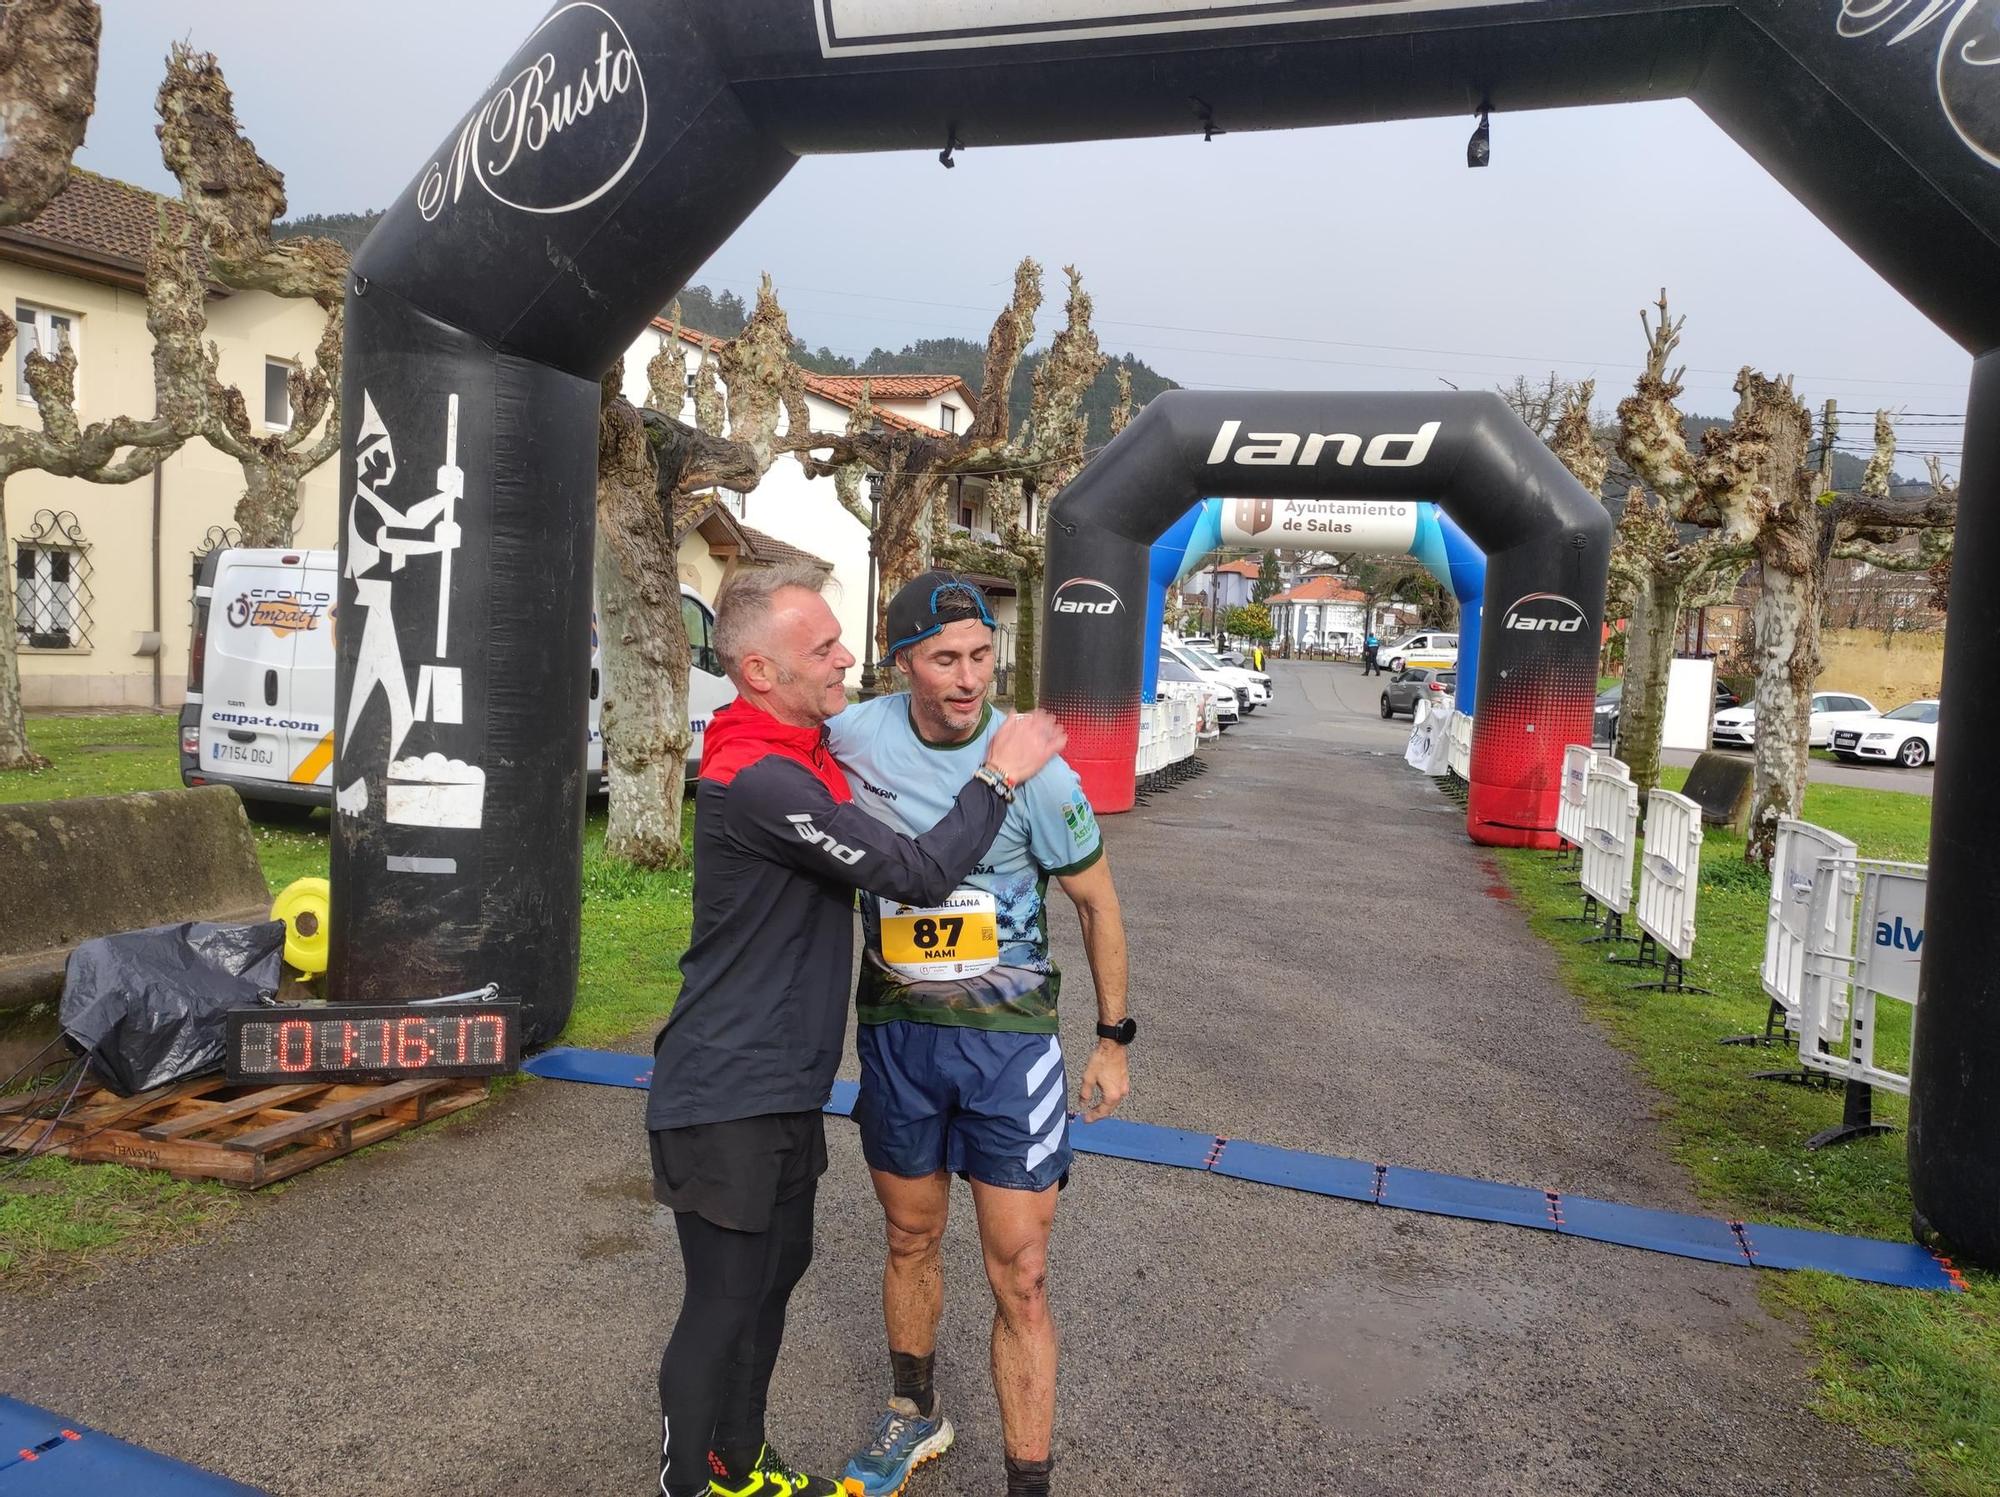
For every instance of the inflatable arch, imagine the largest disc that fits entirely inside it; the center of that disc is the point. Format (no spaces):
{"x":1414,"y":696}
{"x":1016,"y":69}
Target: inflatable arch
{"x":1546,"y":542}
{"x":1372,"y":527}
{"x":625,"y":141}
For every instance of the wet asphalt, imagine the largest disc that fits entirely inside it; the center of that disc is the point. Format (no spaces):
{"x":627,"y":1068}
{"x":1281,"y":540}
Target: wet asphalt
{"x":1320,"y":960}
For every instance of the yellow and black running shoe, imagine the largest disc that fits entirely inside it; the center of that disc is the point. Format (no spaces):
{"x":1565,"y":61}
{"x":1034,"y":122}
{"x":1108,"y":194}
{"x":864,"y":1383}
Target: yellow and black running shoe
{"x":772,"y":1477}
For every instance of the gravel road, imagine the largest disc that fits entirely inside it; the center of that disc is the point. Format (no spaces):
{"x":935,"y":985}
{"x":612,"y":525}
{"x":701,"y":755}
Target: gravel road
{"x":1320,"y":960}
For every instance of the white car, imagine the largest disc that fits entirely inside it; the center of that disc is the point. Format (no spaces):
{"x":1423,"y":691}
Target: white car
{"x":1222,"y":699}
{"x":1831,"y":711}
{"x":1907,"y":736}
{"x":1430,"y":649}
{"x":1252,"y":688}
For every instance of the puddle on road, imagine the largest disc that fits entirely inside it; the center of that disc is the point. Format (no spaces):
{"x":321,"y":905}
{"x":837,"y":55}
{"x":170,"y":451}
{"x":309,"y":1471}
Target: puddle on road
{"x":599,"y":1245}
{"x":1372,"y":1348}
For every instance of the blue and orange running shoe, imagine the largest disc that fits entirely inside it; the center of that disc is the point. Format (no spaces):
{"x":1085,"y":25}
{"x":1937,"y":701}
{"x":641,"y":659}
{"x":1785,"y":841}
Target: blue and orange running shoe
{"x":903,"y":1440}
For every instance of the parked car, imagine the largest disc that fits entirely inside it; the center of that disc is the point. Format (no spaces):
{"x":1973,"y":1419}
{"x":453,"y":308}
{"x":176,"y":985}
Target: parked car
{"x":1429,"y":648}
{"x":1831,"y":710}
{"x":1604,"y":718}
{"x":1408,"y":687}
{"x":1252,"y":688}
{"x":1221,"y":696}
{"x":1907,"y":736}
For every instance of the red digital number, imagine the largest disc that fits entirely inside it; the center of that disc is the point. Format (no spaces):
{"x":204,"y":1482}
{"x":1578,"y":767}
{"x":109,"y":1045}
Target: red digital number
{"x":413,"y":1051}
{"x":486,"y":1054}
{"x":346,"y":1043}
{"x":301,"y":1031}
{"x":464,"y":1029}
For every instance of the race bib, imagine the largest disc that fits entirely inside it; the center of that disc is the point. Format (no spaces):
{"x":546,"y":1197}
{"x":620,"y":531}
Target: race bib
{"x":959,"y":938}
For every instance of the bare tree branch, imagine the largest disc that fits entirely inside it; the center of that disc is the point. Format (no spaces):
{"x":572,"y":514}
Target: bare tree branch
{"x":48,"y":82}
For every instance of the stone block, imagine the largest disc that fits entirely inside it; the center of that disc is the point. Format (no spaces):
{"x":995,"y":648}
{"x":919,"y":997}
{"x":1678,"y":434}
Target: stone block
{"x":71,"y":870}
{"x":1720,"y":783}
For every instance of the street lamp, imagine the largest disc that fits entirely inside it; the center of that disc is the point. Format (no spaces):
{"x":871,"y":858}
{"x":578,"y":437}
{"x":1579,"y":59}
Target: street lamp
{"x":868,"y":690}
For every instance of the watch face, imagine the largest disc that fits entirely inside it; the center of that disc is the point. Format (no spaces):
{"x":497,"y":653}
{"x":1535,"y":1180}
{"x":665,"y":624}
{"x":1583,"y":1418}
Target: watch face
{"x":1122,"y":1031}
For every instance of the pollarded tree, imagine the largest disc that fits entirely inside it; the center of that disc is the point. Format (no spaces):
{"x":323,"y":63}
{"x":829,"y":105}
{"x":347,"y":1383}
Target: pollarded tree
{"x":1678,"y":544}
{"x":1048,"y":452}
{"x":48,"y":74}
{"x":654,"y":474}
{"x":911,"y":469}
{"x":234,"y":196}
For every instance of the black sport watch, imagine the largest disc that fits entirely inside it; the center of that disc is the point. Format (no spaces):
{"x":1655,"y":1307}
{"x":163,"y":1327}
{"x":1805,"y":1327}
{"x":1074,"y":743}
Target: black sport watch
{"x":1122,"y":1032}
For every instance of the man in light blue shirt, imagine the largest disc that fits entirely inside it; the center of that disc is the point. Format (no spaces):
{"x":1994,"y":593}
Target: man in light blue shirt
{"x":960,"y":1057}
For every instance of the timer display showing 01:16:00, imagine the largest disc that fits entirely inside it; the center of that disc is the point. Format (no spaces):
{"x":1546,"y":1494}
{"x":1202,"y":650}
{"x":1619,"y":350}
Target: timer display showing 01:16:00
{"x":440,"y":1042}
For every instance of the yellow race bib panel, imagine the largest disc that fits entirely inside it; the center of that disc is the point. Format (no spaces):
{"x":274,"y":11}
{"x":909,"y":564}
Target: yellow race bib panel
{"x":959,"y":938}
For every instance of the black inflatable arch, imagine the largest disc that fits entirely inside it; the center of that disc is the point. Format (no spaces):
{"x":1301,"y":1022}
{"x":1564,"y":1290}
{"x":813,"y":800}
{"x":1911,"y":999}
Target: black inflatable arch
{"x":625,"y":141}
{"x":1547,"y":542}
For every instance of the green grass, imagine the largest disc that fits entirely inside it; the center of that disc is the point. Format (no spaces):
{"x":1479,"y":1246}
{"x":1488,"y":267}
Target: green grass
{"x":56,"y":1216}
{"x":1914,"y":1371}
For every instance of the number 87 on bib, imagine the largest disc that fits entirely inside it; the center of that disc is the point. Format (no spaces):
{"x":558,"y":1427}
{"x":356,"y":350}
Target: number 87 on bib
{"x":959,"y":938}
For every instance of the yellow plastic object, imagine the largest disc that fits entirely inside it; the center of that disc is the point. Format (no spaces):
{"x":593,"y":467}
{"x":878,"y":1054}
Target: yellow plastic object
{"x":302,"y":905}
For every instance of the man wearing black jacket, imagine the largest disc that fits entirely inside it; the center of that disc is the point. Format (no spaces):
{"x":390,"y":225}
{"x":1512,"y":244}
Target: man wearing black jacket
{"x":745,"y":1063}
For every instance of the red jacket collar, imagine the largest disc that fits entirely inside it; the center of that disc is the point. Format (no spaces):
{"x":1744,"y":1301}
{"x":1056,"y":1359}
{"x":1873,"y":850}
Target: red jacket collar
{"x":741,"y":733}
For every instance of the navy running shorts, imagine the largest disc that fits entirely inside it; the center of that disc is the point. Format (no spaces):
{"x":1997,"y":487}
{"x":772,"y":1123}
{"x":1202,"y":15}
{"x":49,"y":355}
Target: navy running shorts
{"x":978,"y":1102}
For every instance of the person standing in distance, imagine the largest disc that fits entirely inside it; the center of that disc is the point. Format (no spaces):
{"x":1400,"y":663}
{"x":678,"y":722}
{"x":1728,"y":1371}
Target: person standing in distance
{"x":746,"y":1062}
{"x":1371,"y":649}
{"x":961,"y":1065}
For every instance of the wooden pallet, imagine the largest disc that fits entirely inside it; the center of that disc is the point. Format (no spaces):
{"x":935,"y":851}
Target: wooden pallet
{"x":241,"y":1135}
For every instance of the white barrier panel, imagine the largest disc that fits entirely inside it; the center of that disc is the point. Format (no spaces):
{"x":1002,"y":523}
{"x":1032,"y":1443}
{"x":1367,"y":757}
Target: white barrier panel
{"x":1850,"y":963}
{"x":1148,"y":759}
{"x":1430,"y":736}
{"x":1459,"y":758}
{"x":1610,"y":836}
{"x":1618,"y":769}
{"x":1670,"y":872}
{"x":1577,"y":760}
{"x":1789,"y":920}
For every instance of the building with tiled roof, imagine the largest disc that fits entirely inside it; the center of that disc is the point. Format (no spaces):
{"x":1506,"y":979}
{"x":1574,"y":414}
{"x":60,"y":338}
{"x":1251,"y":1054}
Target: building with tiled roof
{"x":95,"y":228}
{"x":104,"y":573}
{"x":1320,"y":614}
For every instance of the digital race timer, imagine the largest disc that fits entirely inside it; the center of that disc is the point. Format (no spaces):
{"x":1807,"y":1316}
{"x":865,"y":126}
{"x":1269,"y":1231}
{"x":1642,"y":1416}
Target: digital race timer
{"x":374,"y":1041}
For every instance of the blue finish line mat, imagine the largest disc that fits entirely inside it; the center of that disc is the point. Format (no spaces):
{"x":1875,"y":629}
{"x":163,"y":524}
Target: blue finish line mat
{"x":1712,"y":1239}
{"x":43,"y":1454}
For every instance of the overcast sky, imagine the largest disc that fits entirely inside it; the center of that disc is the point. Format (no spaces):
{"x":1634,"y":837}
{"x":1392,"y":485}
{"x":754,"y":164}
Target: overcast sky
{"x":1357,"y":258}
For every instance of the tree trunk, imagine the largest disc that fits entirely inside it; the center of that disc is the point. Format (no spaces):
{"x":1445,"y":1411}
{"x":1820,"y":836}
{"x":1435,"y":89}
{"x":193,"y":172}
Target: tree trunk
{"x":1649,"y":655}
{"x":1027,"y":638}
{"x":644,"y":648}
{"x":270,"y":501}
{"x":14,"y":750}
{"x":1787,"y":664}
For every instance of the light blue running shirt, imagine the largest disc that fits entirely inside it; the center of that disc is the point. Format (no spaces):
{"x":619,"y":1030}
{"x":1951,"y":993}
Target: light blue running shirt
{"x":982,"y":958}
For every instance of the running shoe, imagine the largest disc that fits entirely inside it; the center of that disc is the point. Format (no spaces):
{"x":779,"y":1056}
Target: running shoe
{"x":903,"y":1440}
{"x":771,"y":1477}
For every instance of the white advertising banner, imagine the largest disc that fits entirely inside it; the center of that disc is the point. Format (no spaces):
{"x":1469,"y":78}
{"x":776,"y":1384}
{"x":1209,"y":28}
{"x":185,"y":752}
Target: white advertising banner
{"x":1891,"y":945}
{"x":862,"y":27}
{"x":1690,"y":713}
{"x":1430,"y":737}
{"x":1374,"y":525}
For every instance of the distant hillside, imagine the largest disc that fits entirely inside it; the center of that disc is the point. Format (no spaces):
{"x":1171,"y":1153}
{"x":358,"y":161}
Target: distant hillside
{"x":349,"y":229}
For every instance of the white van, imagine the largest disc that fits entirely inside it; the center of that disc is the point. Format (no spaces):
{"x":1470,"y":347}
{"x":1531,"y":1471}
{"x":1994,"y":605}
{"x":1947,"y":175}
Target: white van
{"x":258,"y":715}
{"x":1433,"y":650}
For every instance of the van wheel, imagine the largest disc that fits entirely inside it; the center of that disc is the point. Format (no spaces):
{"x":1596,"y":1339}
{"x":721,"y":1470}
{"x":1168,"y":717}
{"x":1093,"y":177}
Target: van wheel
{"x":278,"y":812}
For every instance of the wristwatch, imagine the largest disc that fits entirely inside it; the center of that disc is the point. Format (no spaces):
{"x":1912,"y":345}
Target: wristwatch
{"x":1121,"y":1032}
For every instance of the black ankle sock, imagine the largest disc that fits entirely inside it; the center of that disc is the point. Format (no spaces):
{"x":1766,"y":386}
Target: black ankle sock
{"x":739,"y":1458}
{"x":914,"y":1379}
{"x":1028,"y":1478}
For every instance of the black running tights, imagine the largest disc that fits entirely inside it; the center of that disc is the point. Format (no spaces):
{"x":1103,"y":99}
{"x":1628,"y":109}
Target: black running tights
{"x":716,"y":1370}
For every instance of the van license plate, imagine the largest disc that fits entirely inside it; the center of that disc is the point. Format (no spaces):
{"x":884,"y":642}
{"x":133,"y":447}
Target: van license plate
{"x":241,"y":753}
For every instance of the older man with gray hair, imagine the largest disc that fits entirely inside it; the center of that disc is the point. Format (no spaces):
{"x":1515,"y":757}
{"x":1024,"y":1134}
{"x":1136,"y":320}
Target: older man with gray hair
{"x":746,"y":1062}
